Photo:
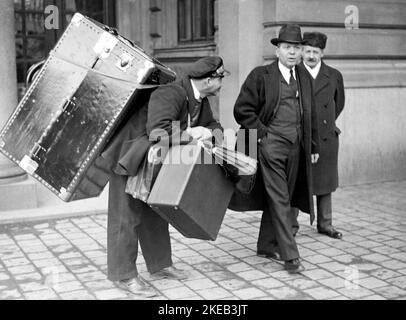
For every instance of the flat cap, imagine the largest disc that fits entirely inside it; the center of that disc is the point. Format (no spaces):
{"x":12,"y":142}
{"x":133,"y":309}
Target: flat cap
{"x":315,"y":39}
{"x":208,"y":67}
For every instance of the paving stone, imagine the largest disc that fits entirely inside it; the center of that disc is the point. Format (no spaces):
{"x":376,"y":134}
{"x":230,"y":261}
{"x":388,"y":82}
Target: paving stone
{"x":301,"y":284}
{"x":249,"y":293}
{"x":390,"y":292}
{"x":239,"y":267}
{"x":393,"y":264}
{"x":287,"y":293}
{"x":34,"y":276}
{"x":317,"y":274}
{"x":331,"y":252}
{"x":373,"y":297}
{"x":333,"y":266}
{"x":47,"y":294}
{"x":67,"y":286}
{"x":321,"y":293}
{"x":355,"y":292}
{"x":163,"y":284}
{"x":384,"y":274}
{"x":200,"y":284}
{"x":372,"y":283}
{"x":399,"y":282}
{"x":213,"y":253}
{"x":4,"y":276}
{"x":399,"y":256}
{"x":227,"y":260}
{"x":333,"y":283}
{"x":185,"y":253}
{"x":9,"y":294}
{"x":318,"y":258}
{"x":77,"y":295}
{"x":178,"y":293}
{"x":22,"y":269}
{"x":216,"y":275}
{"x":214,"y":293}
{"x":345,"y":258}
{"x":234,"y":284}
{"x":252,"y":275}
{"x":100,"y":284}
{"x":15,"y":262}
{"x":32,"y":286}
{"x":375,"y":257}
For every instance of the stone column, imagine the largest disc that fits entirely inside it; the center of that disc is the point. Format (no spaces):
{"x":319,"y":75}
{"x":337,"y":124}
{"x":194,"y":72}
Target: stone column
{"x":240,"y":43}
{"x":9,"y":172}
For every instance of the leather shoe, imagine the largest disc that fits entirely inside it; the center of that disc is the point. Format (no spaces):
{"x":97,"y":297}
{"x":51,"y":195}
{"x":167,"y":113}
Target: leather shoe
{"x":137,"y":287}
{"x":269,"y":255}
{"x":294,"y":266}
{"x":170,"y":273}
{"x":332,"y":233}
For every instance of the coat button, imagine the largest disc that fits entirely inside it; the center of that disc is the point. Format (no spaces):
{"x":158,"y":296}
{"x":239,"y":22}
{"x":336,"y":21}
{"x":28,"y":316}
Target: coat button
{"x":325,"y":121}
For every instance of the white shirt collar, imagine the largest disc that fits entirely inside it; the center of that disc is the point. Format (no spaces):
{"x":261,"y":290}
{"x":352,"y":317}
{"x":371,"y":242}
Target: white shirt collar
{"x":196,"y":92}
{"x":286,"y":72}
{"x":313,"y":71}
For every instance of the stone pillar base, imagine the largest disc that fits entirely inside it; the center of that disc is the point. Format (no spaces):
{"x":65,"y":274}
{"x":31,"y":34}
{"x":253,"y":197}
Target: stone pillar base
{"x":18,"y":196}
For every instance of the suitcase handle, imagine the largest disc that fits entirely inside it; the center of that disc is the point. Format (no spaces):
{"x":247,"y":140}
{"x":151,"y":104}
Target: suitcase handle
{"x":114,"y":32}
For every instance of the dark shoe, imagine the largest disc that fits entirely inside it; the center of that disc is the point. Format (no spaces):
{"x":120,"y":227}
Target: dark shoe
{"x":269,"y":255}
{"x":170,"y":273}
{"x":137,"y":287}
{"x":294,"y":266}
{"x":332,"y":233}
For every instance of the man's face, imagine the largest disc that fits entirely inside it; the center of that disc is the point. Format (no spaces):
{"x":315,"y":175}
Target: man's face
{"x":289,"y":54}
{"x":312,"y":55}
{"x":213,"y":86}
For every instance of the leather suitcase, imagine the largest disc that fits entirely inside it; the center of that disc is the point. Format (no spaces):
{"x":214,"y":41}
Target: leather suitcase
{"x":88,"y":86}
{"x":192,"y":194}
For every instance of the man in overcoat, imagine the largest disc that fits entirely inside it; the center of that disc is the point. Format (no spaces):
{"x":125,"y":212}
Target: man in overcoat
{"x":330,"y":98}
{"x":277,"y":101}
{"x":181,"y":105}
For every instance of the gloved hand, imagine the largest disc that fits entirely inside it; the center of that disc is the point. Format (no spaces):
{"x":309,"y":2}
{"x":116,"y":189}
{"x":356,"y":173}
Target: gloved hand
{"x":199,"y":133}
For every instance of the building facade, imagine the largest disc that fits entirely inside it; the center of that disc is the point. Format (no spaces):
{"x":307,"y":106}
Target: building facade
{"x":366,"y":42}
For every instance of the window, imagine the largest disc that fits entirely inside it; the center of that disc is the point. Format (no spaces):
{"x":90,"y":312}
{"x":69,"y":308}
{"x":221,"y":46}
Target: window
{"x":34,"y":41}
{"x":195,"y":20}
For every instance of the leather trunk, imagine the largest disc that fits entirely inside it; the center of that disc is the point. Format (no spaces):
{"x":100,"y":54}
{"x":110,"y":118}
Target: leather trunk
{"x":89,"y":85}
{"x":191,"y":192}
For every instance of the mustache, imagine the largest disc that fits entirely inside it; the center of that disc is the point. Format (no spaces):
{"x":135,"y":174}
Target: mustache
{"x":311,"y":59}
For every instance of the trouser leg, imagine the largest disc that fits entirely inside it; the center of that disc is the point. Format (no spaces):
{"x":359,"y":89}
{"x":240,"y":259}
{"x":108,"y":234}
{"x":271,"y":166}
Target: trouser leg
{"x":278,"y":159}
{"x":155,"y":241}
{"x":294,"y":213}
{"x":324,"y":211}
{"x":122,"y":237}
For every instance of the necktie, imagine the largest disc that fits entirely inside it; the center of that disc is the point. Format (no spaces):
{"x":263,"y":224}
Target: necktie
{"x":292,"y":80}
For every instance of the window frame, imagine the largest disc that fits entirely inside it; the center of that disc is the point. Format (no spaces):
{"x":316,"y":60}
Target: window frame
{"x":190,"y":19}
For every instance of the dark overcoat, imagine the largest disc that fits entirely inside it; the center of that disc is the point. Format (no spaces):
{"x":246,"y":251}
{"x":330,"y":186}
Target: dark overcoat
{"x":330,"y":99}
{"x":129,"y":146}
{"x":255,"y":108}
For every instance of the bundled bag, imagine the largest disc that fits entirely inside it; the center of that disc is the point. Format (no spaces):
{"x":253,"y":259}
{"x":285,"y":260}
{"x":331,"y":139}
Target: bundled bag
{"x":140,"y":185}
{"x":240,"y":168}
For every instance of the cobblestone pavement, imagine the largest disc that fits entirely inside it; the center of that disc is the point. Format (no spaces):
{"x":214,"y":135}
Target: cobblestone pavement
{"x":66,"y":258}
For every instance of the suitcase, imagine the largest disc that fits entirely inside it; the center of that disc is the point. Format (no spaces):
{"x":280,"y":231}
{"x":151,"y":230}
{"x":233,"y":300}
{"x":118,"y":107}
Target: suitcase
{"x":192,"y":194}
{"x":88,"y":86}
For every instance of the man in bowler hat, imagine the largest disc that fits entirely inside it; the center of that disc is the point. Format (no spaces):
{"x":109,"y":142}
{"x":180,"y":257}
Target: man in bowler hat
{"x":182,"y":107}
{"x":277,"y":101}
{"x":330,"y":98}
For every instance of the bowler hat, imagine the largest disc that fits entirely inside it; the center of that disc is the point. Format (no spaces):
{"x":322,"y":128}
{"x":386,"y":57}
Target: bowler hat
{"x":315,"y":39}
{"x":290,"y":33}
{"x":208,"y":67}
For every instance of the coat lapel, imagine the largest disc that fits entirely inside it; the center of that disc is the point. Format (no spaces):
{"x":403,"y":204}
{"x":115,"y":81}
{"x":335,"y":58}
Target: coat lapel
{"x":322,"y":80}
{"x":193,"y":105}
{"x":272,"y":86}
